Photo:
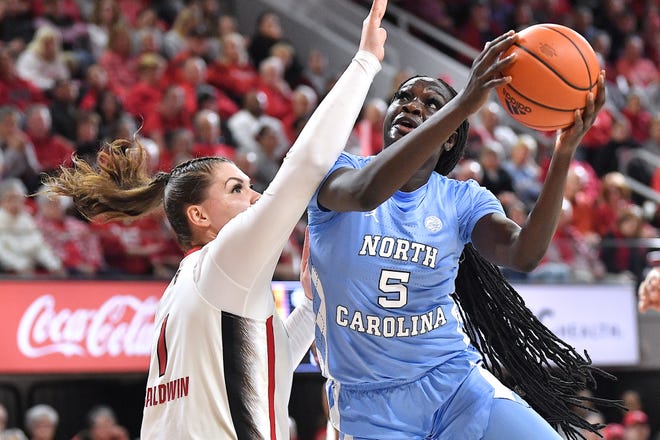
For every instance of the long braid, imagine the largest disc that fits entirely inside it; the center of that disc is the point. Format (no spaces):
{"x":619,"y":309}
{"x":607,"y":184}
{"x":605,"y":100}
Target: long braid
{"x":522,"y":352}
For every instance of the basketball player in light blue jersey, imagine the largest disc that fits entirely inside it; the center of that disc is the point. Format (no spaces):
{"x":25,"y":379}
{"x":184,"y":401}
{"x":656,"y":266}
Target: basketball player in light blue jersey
{"x":388,"y":234}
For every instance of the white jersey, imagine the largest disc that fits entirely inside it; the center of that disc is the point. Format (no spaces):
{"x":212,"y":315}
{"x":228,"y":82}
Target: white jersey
{"x":222,"y":360}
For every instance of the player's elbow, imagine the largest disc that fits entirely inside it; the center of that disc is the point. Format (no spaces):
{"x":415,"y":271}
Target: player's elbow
{"x":367,"y":200}
{"x":526,"y":263}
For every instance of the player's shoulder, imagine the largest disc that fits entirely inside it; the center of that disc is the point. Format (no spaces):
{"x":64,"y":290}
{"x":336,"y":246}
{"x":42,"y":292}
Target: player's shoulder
{"x":460,"y":190}
{"x":354,"y":160}
{"x":456,"y":184}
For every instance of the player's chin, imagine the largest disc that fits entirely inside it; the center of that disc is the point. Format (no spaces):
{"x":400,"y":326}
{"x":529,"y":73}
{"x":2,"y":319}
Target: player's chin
{"x":398,"y":131}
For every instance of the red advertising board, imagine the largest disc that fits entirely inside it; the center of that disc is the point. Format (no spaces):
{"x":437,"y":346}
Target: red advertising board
{"x":77,"y":326}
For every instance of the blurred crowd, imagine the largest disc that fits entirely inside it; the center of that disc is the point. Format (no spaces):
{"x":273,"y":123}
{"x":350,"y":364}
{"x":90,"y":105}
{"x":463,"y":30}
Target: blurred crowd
{"x":633,"y":424}
{"x":42,"y":421}
{"x":185,"y":81}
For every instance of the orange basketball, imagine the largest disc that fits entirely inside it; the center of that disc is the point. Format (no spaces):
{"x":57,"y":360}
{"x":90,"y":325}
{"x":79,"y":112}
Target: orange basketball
{"x":554,"y":71}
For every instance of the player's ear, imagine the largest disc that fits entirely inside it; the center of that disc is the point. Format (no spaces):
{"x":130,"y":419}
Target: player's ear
{"x":197,"y":215}
{"x":449,"y":143}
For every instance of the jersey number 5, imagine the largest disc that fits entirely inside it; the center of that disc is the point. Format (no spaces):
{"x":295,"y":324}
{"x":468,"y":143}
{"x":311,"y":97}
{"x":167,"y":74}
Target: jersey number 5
{"x":393,"y":282}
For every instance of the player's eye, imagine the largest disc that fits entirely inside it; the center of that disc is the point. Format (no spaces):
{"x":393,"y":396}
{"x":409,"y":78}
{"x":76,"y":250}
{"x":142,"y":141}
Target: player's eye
{"x":237,"y":188}
{"x":434,"y":104}
{"x":402,"y":95}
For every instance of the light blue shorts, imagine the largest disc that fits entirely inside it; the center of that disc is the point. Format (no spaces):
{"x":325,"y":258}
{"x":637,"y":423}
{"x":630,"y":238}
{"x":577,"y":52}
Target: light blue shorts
{"x":479,"y":408}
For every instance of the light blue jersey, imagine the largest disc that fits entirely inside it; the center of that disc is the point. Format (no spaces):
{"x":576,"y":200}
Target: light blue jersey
{"x":382,"y":299}
{"x":388,"y":333}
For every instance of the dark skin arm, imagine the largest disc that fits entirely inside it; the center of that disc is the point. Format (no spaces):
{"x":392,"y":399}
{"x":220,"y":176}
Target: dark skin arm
{"x":502,"y":241}
{"x":416,"y":153}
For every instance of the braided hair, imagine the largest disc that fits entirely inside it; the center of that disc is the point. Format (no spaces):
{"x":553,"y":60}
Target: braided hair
{"x":516,"y":347}
{"x":521,"y":351}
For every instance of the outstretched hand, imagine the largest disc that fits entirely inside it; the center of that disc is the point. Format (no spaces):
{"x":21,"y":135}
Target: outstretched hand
{"x":486,"y":71}
{"x":649,"y":291}
{"x":373,"y":36}
{"x":570,"y":137}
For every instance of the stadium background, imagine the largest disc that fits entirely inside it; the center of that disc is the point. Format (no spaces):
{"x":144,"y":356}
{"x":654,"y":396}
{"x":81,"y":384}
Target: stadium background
{"x":333,"y":26}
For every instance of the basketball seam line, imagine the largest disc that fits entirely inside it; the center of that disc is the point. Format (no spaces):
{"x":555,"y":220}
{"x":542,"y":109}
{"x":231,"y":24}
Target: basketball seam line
{"x":584,"y":89}
{"x":579,"y":51}
{"x":540,"y":104}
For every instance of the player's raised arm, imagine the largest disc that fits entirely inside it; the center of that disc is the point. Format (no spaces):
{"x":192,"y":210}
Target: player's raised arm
{"x":316,"y":149}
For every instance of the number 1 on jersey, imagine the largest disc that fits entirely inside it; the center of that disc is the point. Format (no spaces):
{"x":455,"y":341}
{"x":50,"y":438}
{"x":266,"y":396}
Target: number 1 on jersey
{"x":162,"y":348}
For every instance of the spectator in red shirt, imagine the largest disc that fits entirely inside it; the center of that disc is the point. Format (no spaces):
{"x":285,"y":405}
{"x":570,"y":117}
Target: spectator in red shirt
{"x":15,"y":90}
{"x":95,"y":83}
{"x":68,"y":8}
{"x":118,"y":60}
{"x":570,"y":257}
{"x":193,"y":74}
{"x":615,"y":195}
{"x":179,"y":146}
{"x":582,"y":188}
{"x":72,"y":239}
{"x":232,"y":72}
{"x":637,"y":425}
{"x":621,"y":251}
{"x":193,"y":81}
{"x":273,"y":85}
{"x":143,"y":98}
{"x":478,"y":28}
{"x":208,"y":136}
{"x":303,"y":103}
{"x":129,"y":247}
{"x":369,"y":128}
{"x":597,"y":136}
{"x":169,"y":116}
{"x":637,"y":69}
{"x":639,"y":118}
{"x":52,"y":150}
{"x":196,"y":45}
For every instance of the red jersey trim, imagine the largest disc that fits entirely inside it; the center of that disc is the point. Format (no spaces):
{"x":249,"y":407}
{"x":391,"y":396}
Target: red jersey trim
{"x":190,"y":251}
{"x":270,"y":339}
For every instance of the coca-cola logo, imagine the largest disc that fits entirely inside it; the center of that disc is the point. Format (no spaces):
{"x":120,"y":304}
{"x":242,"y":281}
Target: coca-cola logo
{"x":121,"y":326}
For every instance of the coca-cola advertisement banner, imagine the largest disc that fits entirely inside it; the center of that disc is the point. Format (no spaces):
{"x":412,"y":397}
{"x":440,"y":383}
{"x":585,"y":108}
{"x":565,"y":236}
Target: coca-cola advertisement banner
{"x":77,"y":326}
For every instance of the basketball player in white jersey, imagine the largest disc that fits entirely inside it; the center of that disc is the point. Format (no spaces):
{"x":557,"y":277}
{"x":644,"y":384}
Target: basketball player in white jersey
{"x":222,"y":360}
